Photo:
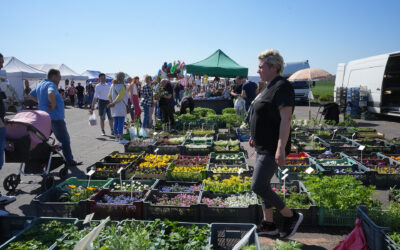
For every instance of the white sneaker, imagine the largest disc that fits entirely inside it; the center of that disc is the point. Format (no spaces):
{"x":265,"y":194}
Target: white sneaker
{"x":123,"y":141}
{"x":116,"y":139}
{"x":3,"y":213}
{"x":6,"y":199}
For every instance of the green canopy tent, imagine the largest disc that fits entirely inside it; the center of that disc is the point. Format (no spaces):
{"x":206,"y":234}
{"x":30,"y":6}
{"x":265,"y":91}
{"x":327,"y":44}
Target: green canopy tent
{"x":218,"y":64}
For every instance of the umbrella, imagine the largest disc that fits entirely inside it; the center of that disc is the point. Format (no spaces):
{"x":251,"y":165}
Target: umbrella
{"x":310,"y":74}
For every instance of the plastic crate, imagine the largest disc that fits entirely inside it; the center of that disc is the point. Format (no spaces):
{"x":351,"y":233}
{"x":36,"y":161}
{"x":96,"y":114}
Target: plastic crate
{"x":116,"y":211}
{"x":168,"y":149}
{"x":373,"y":234}
{"x":47,"y":204}
{"x":173,"y":213}
{"x":129,"y":148}
{"x":111,"y":184}
{"x":370,"y":135}
{"x":12,"y":225}
{"x":240,"y":158}
{"x":185,"y":176}
{"x":246,"y":171}
{"x":247,"y":214}
{"x":336,"y":217}
{"x":243,"y":134}
{"x":310,"y":214}
{"x":84,"y":182}
{"x":300,"y":155}
{"x":124,"y":156}
{"x":196,"y":151}
{"x":35,"y":222}
{"x":295,"y":172}
{"x":225,"y":236}
{"x":126,"y":172}
{"x":227,"y":136}
{"x":160,"y":183}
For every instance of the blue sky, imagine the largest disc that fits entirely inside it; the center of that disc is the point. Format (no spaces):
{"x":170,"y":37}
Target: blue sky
{"x":138,"y":36}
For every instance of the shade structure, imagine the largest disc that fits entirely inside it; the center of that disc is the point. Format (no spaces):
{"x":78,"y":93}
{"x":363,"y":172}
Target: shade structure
{"x":311,"y":74}
{"x":66,"y":72}
{"x":218,"y":64}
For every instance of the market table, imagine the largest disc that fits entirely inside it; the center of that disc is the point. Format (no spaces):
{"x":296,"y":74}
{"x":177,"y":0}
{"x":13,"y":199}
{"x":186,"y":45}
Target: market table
{"x":216,"y":104}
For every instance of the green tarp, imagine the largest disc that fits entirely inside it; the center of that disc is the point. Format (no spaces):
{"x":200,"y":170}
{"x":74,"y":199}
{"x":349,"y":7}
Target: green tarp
{"x":218,"y":64}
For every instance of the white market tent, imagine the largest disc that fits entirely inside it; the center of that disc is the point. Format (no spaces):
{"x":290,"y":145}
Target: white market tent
{"x":93,"y":75}
{"x":17,"y":71}
{"x":66,"y":72}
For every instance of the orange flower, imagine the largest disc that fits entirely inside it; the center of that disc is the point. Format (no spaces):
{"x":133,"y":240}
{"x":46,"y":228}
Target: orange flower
{"x":77,"y":194}
{"x":72,"y":186}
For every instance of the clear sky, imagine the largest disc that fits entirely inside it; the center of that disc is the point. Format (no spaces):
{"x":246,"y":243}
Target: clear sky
{"x":138,"y":36}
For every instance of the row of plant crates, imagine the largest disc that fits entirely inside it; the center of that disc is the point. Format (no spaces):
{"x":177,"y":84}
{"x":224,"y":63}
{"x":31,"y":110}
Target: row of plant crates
{"x":221,"y":236}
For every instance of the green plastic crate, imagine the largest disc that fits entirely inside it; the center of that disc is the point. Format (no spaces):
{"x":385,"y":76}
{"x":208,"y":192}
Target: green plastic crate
{"x":84,"y":182}
{"x":151,"y":183}
{"x":336,"y":217}
{"x":10,"y":226}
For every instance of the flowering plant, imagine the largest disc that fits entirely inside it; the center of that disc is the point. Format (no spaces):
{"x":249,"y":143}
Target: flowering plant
{"x":191,"y":160}
{"x":180,"y":200}
{"x":121,"y":199}
{"x":129,"y":185}
{"x":235,"y":184}
{"x":155,"y":164}
{"x":187,"y":173}
{"x":179,"y":188}
{"x":124,"y":156}
{"x":226,"y":169}
{"x":240,"y":200}
{"x":77,"y":193}
{"x":293,"y":197}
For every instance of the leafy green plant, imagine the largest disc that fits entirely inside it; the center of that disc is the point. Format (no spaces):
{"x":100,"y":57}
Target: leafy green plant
{"x":340,"y":192}
{"x":232,"y":119}
{"x":187,"y":118}
{"x":228,"y":111}
{"x":395,"y":237}
{"x":290,"y":245}
{"x":203,"y":112}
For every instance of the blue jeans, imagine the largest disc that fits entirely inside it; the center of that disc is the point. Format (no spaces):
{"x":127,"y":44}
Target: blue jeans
{"x":80,"y":100}
{"x":119,"y":125}
{"x":146,"y":119}
{"x":157,"y":112}
{"x":2,"y":145}
{"x":60,"y":131}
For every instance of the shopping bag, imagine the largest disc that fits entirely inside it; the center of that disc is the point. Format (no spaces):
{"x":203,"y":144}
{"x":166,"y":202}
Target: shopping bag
{"x":92,"y":120}
{"x":355,"y":240}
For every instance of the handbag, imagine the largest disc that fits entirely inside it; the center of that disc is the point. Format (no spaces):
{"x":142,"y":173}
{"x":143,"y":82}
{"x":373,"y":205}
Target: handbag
{"x":126,"y":105}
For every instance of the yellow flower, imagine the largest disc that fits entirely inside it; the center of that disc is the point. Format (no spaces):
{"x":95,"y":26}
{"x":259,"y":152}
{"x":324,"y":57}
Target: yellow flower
{"x":77,"y":194}
{"x":92,"y":188}
{"x":72,"y":186}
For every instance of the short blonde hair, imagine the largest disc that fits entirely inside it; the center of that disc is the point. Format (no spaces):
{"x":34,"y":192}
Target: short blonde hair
{"x":120,"y":77}
{"x":272,"y":57}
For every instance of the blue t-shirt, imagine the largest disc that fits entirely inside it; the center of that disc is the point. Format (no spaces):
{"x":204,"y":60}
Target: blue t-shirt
{"x":41,"y":92}
{"x":250,"y":88}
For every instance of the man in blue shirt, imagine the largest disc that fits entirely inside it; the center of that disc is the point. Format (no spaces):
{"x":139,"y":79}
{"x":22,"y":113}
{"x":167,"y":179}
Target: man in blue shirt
{"x":50,"y":100}
{"x":249,"y":90}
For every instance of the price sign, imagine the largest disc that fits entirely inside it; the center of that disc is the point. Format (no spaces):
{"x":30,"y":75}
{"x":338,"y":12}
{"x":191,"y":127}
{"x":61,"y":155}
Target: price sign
{"x":361,"y":147}
{"x":284,"y":177}
{"x":91,"y":172}
{"x":285,"y":171}
{"x":309,"y":170}
{"x":88,"y":218}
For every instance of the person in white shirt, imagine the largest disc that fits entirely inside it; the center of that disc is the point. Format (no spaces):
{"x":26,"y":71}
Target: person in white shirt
{"x":101,"y":93}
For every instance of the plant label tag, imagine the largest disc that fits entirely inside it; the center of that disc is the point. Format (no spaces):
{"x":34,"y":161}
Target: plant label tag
{"x":296,"y":129}
{"x":309,"y":170}
{"x":88,"y":218}
{"x":361,"y":147}
{"x":284,"y":177}
{"x":335,"y":130}
{"x":120,"y":170}
{"x":285,"y":171}
{"x":155,"y":151}
{"x":91,"y":172}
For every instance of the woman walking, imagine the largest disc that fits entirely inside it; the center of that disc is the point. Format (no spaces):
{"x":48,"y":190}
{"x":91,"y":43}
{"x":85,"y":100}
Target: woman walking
{"x":134,"y":97}
{"x":147,"y":101}
{"x":270,"y":135}
{"x":118,"y":104}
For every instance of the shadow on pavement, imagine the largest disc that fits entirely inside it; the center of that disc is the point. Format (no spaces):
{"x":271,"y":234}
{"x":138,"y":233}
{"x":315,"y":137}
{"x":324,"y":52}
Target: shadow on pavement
{"x":28,"y":209}
{"x":367,"y":124}
{"x":76,"y":172}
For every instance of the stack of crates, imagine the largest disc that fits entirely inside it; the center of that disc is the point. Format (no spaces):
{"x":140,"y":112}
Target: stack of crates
{"x":341,"y":98}
{"x":353,"y":101}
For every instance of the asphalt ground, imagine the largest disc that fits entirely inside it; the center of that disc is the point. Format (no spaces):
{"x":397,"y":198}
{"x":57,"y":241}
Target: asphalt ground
{"x":89,"y":146}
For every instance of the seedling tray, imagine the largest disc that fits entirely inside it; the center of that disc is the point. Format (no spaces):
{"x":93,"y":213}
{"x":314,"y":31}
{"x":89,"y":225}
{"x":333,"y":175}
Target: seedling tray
{"x":173,"y":213}
{"x":132,"y":210}
{"x":116,"y":181}
{"x":246,"y":171}
{"x":185,"y":176}
{"x":247,"y":214}
{"x":126,"y":172}
{"x":228,"y":159}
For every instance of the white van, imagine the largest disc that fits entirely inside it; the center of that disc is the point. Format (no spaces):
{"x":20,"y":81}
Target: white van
{"x":301,"y":88}
{"x":380,"y":75}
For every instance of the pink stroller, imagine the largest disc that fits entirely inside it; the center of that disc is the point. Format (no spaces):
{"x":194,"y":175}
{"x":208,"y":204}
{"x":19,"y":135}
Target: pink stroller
{"x":28,"y":142}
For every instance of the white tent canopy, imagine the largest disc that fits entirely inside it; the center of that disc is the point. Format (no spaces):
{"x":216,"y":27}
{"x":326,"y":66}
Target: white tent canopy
{"x":66,"y":72}
{"x":94,"y":74}
{"x":17,"y":71}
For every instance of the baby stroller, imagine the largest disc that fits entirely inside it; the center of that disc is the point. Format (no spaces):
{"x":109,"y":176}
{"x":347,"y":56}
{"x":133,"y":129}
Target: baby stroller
{"x":28,"y":143}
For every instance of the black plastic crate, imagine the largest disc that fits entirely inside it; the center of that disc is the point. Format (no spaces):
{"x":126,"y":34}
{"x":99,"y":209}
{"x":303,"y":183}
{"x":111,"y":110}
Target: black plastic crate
{"x":245,"y":170}
{"x":217,"y":158}
{"x":161,"y":183}
{"x":225,"y":236}
{"x":126,"y":173}
{"x":247,"y":214}
{"x":123,"y":157}
{"x":173,"y":213}
{"x":48,"y":204}
{"x":12,"y":225}
{"x":167,"y":149}
{"x":129,"y":148}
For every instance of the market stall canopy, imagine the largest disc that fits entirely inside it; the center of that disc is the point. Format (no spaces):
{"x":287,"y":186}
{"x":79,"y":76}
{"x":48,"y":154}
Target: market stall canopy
{"x":218,"y":64}
{"x":66,"y":72}
{"x":15,"y":67}
{"x":311,"y":74}
{"x":93,"y":76}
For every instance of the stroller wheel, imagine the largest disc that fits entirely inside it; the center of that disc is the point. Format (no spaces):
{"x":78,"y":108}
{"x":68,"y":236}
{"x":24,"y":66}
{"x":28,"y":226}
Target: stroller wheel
{"x":63,"y":173}
{"x":47,"y":182}
{"x":11,"y":182}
